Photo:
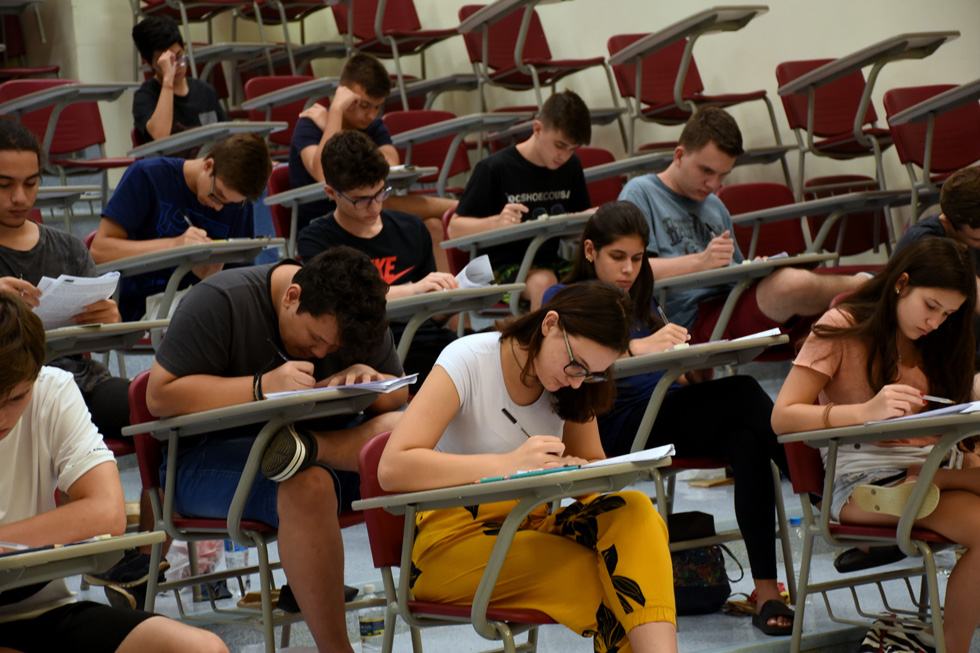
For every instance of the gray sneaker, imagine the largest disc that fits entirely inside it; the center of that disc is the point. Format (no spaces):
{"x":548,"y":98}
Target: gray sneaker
{"x":290,"y":452}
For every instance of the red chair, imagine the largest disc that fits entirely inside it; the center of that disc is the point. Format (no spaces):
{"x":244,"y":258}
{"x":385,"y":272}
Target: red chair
{"x":655,"y":101}
{"x":436,"y":152}
{"x":774,"y":237}
{"x":281,"y":215}
{"x":810,"y":479}
{"x":603,"y":190}
{"x":77,"y":127}
{"x":835,"y":107}
{"x":389,"y":29}
{"x":512,"y":66}
{"x":457,"y":257}
{"x":284,"y":12}
{"x":388,"y":538}
{"x":954,"y":141}
{"x":288,"y":113}
{"x":855,"y":233}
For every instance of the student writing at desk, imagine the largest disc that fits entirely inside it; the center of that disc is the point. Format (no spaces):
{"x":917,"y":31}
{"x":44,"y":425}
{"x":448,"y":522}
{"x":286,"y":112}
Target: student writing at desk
{"x":906,"y":333}
{"x":736,"y":427}
{"x":548,"y":370}
{"x":48,"y":444}
{"x":691,"y":232}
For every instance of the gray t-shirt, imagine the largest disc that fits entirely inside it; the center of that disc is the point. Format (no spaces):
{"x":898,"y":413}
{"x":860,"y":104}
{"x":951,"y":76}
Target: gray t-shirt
{"x":56,"y":253}
{"x":227,"y":326}
{"x":680,"y":226}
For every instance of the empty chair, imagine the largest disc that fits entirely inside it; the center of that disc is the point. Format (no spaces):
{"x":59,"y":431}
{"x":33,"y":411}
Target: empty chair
{"x":282,"y":13}
{"x":774,"y":237}
{"x":854,"y":233}
{"x":435,"y":152}
{"x":288,"y":113}
{"x":281,"y":215}
{"x":834,"y":131}
{"x":954,"y":142}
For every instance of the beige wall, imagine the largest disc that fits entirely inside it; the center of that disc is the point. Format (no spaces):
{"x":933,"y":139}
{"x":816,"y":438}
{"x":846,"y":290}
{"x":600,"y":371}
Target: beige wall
{"x":90,"y":39}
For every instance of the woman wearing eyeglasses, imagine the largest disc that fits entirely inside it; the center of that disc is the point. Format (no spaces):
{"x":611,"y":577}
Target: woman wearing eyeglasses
{"x":726,"y":418}
{"x":599,"y":566}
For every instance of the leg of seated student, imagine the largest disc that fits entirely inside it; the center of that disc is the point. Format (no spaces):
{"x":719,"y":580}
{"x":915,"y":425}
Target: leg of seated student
{"x":791,"y":292}
{"x":630,"y":542}
{"x":312,"y":553}
{"x":162,"y":635}
{"x":962,"y":612}
{"x":108,"y":402}
{"x":538,"y":280}
{"x":737,"y":429}
{"x":339,"y":448}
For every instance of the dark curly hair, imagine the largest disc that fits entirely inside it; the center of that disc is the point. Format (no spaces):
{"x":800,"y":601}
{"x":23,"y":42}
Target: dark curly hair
{"x":593,"y":310}
{"x":21,"y":344}
{"x":343,"y":282}
{"x":18,"y":138}
{"x":156,"y":33}
{"x":351,"y":160}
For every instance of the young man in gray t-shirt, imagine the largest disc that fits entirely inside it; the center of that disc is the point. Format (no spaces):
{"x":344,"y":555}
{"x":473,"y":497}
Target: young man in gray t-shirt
{"x":691,"y":232}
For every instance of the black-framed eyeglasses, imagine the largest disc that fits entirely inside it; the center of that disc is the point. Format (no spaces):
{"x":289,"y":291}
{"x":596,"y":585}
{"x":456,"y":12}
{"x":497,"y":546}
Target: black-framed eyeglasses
{"x":576,"y":369}
{"x":364,"y":202}
{"x":215,"y":198}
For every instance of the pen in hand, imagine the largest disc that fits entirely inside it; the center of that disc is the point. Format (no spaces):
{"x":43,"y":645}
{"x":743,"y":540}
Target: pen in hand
{"x":187,"y":220}
{"x":513,"y":420}
{"x":939,"y":400}
{"x":278,"y":351}
{"x":663,"y":316}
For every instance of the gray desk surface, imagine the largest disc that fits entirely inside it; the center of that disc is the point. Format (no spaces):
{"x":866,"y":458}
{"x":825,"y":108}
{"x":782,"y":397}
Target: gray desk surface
{"x":569,"y":483}
{"x":597,"y":116}
{"x":442,"y":301}
{"x":961,"y":425}
{"x":294,"y":407}
{"x":903,"y":46}
{"x":311,"y":90}
{"x":715,"y":19}
{"x":460,"y":125}
{"x":203,"y":136}
{"x":946,"y":101}
{"x":243,"y":248}
{"x":86,"y":557}
{"x":401,"y":177}
{"x":849,"y":203}
{"x":731,"y":273}
{"x":97,"y":337}
{"x":62,"y":196}
{"x":494,"y":11}
{"x":452,"y":82}
{"x":557,"y":225}
{"x":66,"y":93}
{"x":695,"y":357}
{"x":652,"y":162}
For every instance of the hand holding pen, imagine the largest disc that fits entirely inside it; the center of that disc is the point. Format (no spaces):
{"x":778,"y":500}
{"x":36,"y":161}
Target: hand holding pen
{"x":539,"y":451}
{"x":193,"y":235}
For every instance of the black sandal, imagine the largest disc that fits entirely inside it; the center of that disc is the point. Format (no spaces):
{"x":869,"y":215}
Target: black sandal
{"x":773,"y":608}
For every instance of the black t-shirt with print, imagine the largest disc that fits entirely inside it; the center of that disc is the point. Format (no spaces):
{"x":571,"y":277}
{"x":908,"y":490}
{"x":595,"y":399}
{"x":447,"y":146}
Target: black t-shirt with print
{"x":506,"y":177}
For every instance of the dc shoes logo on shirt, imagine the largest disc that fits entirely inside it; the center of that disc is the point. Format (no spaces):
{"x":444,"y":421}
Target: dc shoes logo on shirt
{"x":543,"y":196}
{"x":386,"y":268}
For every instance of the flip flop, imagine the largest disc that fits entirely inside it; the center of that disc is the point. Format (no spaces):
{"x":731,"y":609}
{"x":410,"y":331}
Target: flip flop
{"x":876,"y":556}
{"x":891,"y":500}
{"x":773,"y":608}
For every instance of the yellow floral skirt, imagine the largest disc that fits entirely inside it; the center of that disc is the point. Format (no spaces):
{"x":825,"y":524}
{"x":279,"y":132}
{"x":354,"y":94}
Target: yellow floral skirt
{"x":600,"y":566}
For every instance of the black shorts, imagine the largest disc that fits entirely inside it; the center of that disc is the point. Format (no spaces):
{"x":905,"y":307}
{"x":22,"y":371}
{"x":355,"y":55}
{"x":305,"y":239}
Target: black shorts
{"x":83,"y":627}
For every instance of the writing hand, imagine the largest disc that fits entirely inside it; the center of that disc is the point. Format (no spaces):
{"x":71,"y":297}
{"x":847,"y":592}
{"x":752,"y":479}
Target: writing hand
{"x":719,"y":251}
{"x":318,"y":114}
{"x":358,"y":373}
{"x":511,"y":214}
{"x":434,"y":281}
{"x":25,"y":290}
{"x":893,"y":400}
{"x":538,"y":452}
{"x":193,"y":236}
{"x":665,"y":337}
{"x":291,"y":375}
{"x":101,"y":312}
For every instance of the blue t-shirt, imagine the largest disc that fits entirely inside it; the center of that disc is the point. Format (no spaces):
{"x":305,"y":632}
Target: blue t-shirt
{"x":631,"y":392}
{"x":150,"y":202}
{"x":305,"y":135}
{"x":680,"y":226}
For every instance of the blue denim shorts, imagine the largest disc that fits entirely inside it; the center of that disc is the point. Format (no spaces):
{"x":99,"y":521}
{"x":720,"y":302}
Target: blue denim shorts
{"x":208,"y":474}
{"x":845,"y":485}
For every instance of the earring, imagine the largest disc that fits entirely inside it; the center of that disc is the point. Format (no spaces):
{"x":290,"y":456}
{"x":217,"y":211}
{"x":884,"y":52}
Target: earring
{"x":897,"y":290}
{"x":588,"y":258}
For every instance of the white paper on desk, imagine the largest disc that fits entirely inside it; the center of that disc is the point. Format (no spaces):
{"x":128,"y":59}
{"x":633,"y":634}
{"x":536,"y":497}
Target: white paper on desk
{"x":768,"y":333}
{"x":385,"y":386}
{"x":476,"y":274}
{"x":66,"y":296}
{"x":638,"y":456}
{"x":958,"y":409}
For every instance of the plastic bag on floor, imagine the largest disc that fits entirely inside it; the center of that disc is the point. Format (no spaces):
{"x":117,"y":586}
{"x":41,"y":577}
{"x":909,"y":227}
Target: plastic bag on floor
{"x":210,"y":555}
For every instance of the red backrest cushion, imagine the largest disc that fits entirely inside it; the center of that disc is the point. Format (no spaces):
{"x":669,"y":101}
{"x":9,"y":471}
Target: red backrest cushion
{"x":836,"y":103}
{"x":956,"y":136}
{"x":659,"y":70}
{"x":384,"y":529}
{"x":503,"y":39}
{"x":775,"y":237}
{"x":288,"y":113}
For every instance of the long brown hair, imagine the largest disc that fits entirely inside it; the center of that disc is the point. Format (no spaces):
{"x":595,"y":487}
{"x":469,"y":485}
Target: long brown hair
{"x":21,"y":343}
{"x":947,"y":353}
{"x":593,"y":310}
{"x":609,"y":223}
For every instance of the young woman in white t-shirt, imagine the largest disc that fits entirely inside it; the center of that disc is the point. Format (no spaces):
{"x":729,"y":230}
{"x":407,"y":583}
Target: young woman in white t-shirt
{"x":599,"y":566}
{"x":904,"y":334}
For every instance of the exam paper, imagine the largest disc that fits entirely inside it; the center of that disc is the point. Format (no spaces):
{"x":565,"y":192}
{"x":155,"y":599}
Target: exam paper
{"x":476,"y":274}
{"x":66,"y":296}
{"x":388,"y":385}
{"x":637,"y":456}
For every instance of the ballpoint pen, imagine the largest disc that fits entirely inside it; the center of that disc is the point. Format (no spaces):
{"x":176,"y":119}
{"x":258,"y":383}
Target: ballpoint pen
{"x":939,"y":400}
{"x":514,"y":421}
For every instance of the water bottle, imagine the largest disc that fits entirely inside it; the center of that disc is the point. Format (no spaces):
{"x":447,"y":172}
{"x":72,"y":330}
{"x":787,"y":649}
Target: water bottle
{"x":796,"y":543}
{"x":372,"y":623}
{"x":236,"y":557}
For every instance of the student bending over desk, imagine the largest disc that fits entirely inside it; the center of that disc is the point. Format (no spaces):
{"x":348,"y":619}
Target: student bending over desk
{"x":736,"y":428}
{"x":906,"y":333}
{"x":49,"y":445}
{"x":454,"y":432}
